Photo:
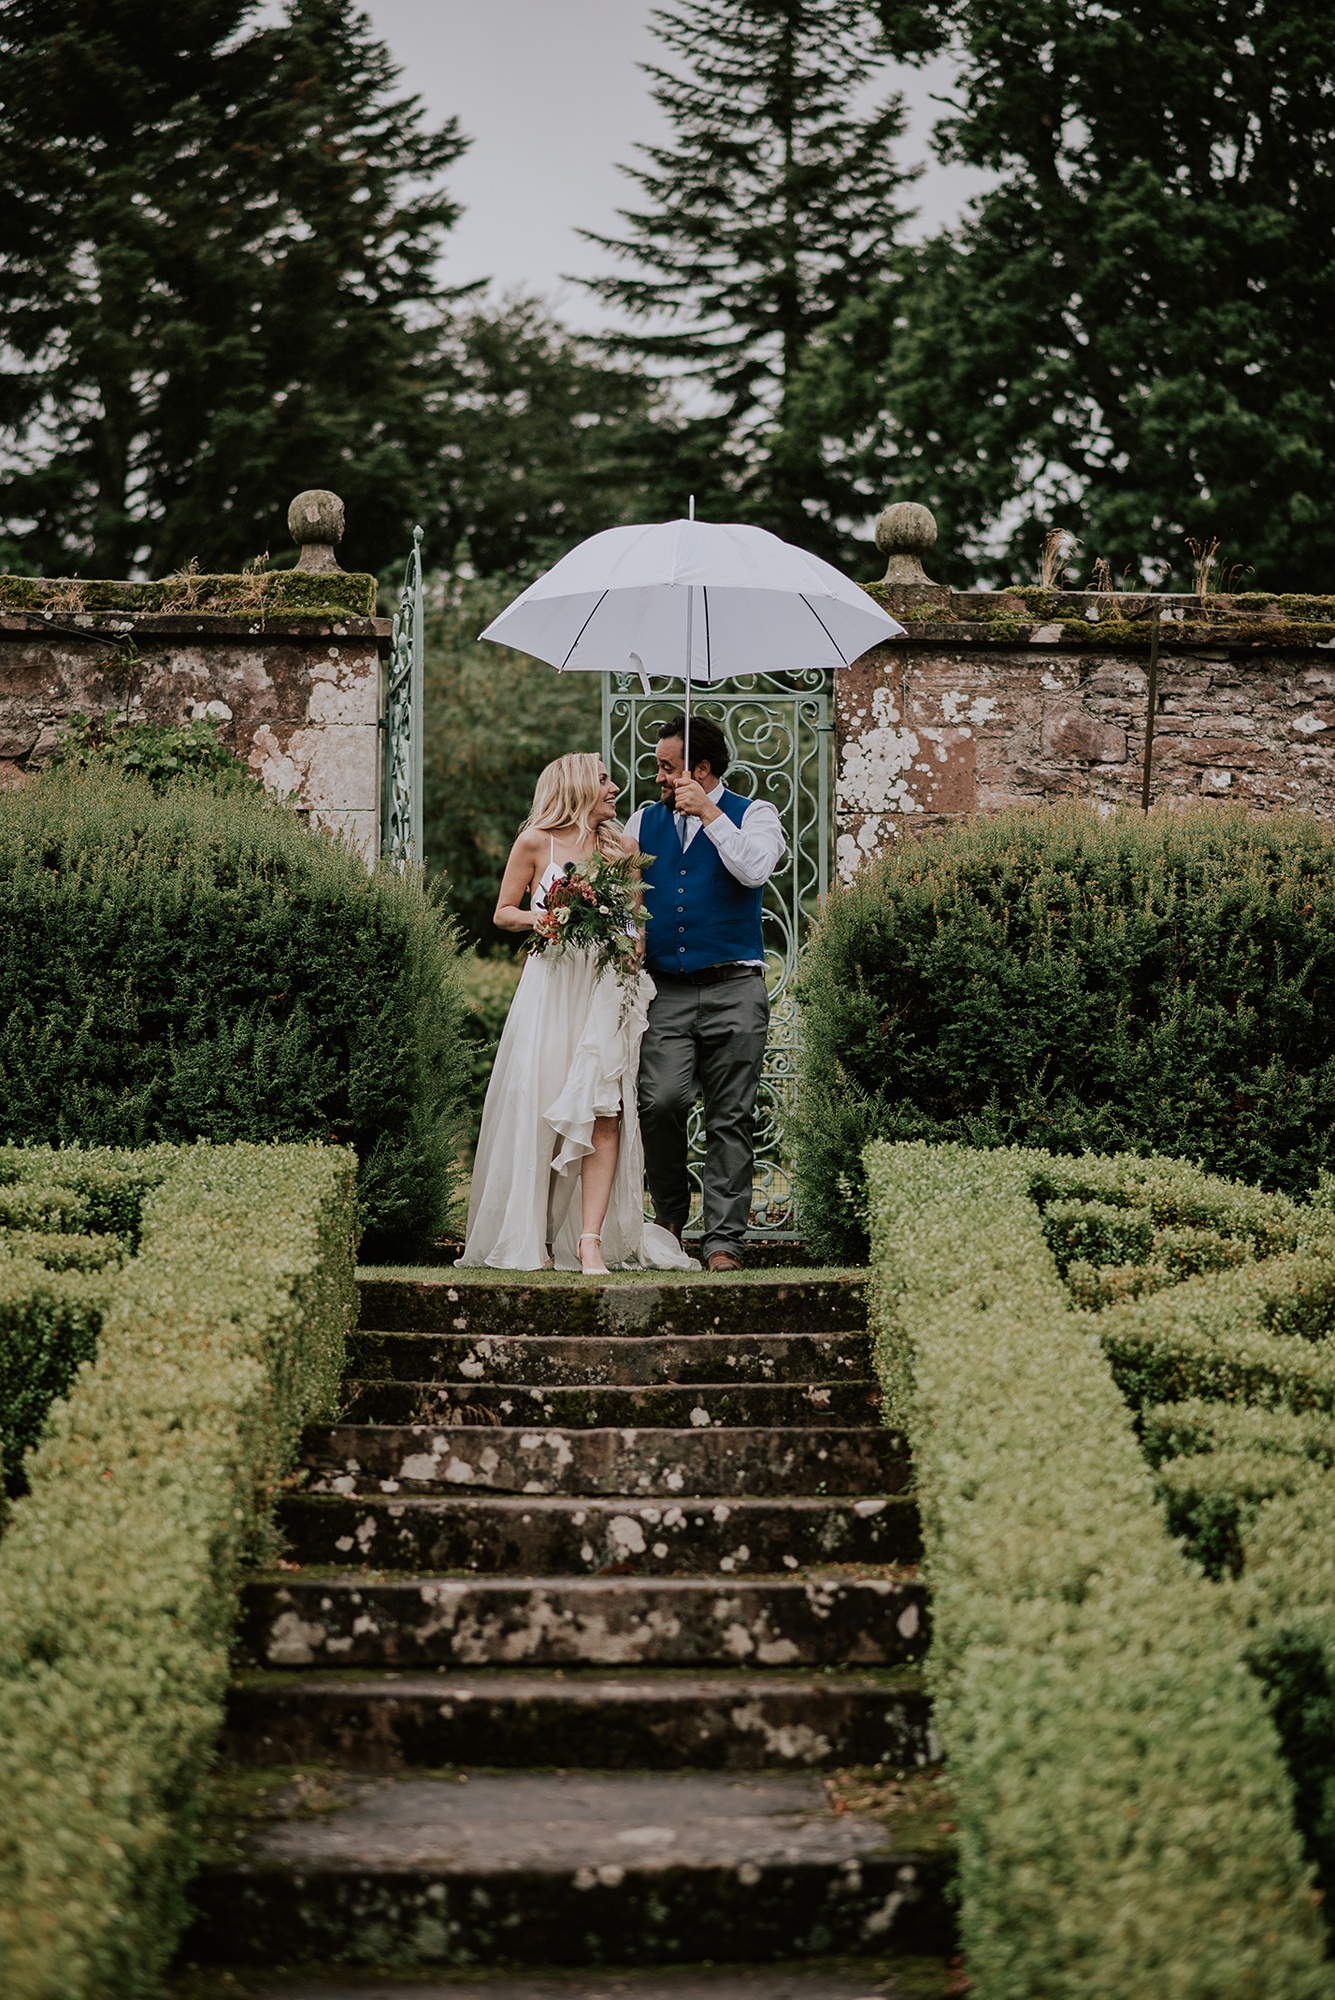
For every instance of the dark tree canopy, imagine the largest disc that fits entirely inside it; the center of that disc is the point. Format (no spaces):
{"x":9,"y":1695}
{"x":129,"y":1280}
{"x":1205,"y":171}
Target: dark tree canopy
{"x":1133,"y":333}
{"x":774,"y":204}
{"x":544,"y":441}
{"x":218,"y":249}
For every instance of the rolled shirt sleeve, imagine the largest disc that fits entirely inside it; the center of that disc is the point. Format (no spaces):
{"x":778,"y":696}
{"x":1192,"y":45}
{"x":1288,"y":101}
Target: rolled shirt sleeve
{"x":752,"y":851}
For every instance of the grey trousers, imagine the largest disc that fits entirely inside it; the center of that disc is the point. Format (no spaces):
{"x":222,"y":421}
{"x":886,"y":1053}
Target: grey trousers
{"x":709,"y":1040}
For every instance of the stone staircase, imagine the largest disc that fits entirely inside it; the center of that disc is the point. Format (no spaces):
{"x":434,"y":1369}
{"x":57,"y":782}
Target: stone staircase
{"x":598,"y":1643}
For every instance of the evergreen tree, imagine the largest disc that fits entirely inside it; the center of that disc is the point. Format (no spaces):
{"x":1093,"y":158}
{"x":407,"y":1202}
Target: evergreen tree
{"x":1132,"y":333}
{"x":775,"y":205}
{"x":544,"y":440}
{"x":218,"y":284}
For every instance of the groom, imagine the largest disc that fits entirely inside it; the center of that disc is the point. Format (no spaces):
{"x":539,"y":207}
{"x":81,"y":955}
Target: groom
{"x":713,"y":852}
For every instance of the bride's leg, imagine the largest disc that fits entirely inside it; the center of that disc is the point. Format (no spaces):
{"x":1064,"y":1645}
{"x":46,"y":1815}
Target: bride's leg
{"x":595,"y":1187}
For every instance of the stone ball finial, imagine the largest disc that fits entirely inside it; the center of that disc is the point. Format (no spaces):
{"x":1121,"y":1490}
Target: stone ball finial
{"x":904,"y":533}
{"x":315,"y":523}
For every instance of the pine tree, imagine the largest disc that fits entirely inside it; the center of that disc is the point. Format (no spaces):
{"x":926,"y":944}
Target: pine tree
{"x":1132,"y":334}
{"x":218,"y":281}
{"x":775,"y":205}
{"x":545,"y":440}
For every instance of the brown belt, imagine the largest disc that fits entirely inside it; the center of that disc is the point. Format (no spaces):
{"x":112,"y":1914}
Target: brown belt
{"x":708,"y":975}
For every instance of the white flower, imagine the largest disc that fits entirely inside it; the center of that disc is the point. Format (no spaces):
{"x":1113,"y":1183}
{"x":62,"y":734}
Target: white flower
{"x":563,"y":916}
{"x":603,"y":910}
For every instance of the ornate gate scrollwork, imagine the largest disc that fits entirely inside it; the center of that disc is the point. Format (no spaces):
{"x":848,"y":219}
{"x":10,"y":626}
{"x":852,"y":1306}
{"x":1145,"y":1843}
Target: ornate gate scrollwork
{"x":778,"y":727}
{"x":401,"y":761}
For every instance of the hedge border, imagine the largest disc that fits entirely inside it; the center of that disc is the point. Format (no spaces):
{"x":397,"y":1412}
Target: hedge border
{"x":119,"y":1570}
{"x":1125,"y":1819}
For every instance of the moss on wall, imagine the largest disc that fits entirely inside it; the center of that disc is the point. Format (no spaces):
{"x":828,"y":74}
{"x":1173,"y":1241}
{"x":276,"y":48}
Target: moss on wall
{"x":1288,"y":622}
{"x":281,"y":593}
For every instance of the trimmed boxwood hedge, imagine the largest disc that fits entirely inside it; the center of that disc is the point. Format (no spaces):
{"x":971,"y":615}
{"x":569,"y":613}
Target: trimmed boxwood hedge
{"x":55,"y":1273}
{"x":183,"y":965}
{"x":1232,"y":1379}
{"x":1155,"y":983}
{"x":1126,"y":1823}
{"x":119,"y":1569}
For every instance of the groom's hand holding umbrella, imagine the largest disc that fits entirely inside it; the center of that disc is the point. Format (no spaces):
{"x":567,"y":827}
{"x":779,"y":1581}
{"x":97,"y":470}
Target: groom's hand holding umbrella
{"x":683,"y":794}
{"x":689,"y":796}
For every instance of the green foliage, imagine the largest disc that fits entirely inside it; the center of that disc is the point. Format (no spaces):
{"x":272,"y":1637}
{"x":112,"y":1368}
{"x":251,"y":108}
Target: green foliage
{"x":220,"y":255}
{"x":55,"y":1273}
{"x":1139,"y":984}
{"x":119,"y":1570}
{"x":1130,"y":331}
{"x":493,"y":719}
{"x":210,"y":967}
{"x":49,"y":1323}
{"x":489,"y":987}
{"x":160,"y":752}
{"x":546,"y":440}
{"x":772,"y":207}
{"x":1125,"y":1821}
{"x":1233,"y":1382}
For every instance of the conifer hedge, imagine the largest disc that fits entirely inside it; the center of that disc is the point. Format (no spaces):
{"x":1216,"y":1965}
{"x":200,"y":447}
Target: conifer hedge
{"x":186,"y":965}
{"x":1047,"y":978}
{"x":1126,"y":1821}
{"x":119,"y":1568}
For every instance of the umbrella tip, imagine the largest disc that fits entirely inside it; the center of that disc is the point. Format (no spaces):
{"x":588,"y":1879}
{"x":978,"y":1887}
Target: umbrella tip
{"x":690,"y":508}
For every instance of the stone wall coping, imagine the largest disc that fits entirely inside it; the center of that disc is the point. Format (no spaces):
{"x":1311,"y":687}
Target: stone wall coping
{"x":193,"y":625}
{"x":1108,"y":620}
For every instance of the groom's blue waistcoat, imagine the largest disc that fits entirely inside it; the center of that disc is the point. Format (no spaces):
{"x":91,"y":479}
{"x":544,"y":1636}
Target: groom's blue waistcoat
{"x":699,"y":914}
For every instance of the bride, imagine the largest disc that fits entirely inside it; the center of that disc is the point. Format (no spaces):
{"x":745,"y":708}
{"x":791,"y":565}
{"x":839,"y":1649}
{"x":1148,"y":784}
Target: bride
{"x":561,"y":1116}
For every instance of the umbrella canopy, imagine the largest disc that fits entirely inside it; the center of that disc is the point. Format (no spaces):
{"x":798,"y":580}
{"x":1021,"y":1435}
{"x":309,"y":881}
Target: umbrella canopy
{"x":700,"y":600}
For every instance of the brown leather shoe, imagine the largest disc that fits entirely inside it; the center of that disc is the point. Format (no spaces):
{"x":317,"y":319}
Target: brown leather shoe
{"x":723,"y":1260}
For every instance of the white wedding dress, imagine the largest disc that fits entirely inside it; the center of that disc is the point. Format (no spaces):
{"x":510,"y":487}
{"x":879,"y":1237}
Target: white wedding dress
{"x":570,"y":1053}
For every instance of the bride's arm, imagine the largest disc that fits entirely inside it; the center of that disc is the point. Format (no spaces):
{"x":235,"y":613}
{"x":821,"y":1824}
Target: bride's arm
{"x":517,"y":881}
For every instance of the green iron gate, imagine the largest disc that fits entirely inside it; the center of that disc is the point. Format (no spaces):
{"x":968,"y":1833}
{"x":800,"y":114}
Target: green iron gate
{"x":778,"y":727}
{"x":401,"y":724}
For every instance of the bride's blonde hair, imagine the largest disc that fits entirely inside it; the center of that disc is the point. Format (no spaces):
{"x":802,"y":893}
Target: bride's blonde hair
{"x":566,"y":794}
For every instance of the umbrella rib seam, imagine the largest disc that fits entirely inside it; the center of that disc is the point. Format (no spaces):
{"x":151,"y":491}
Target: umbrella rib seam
{"x":823,"y":626}
{"x":584,"y":628}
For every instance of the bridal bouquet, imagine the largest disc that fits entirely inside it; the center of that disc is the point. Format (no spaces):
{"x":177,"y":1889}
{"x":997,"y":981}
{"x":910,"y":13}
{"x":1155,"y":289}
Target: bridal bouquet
{"x":594,"y":906}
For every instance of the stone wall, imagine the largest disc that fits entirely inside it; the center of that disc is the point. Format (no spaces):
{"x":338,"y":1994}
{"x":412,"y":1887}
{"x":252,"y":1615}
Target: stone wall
{"x":996,"y":699}
{"x":298,"y":697}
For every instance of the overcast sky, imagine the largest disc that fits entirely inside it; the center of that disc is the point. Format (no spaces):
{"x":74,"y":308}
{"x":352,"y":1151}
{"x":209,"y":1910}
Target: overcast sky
{"x":550,"y":93}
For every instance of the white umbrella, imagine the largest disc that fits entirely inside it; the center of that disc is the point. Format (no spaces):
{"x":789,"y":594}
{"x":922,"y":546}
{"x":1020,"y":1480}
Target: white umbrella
{"x":698,"y":600}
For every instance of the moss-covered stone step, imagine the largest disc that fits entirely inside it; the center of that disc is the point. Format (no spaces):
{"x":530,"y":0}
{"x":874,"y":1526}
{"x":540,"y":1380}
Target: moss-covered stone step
{"x":834,"y":1620}
{"x":606,"y":1721}
{"x":731,"y":1306}
{"x":442,"y":1458}
{"x":571,"y":1360}
{"x":699,"y":1406}
{"x":528,"y":1869}
{"x":555,"y":1535}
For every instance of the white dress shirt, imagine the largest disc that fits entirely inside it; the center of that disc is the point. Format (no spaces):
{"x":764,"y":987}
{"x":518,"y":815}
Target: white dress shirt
{"x":750,"y":852}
